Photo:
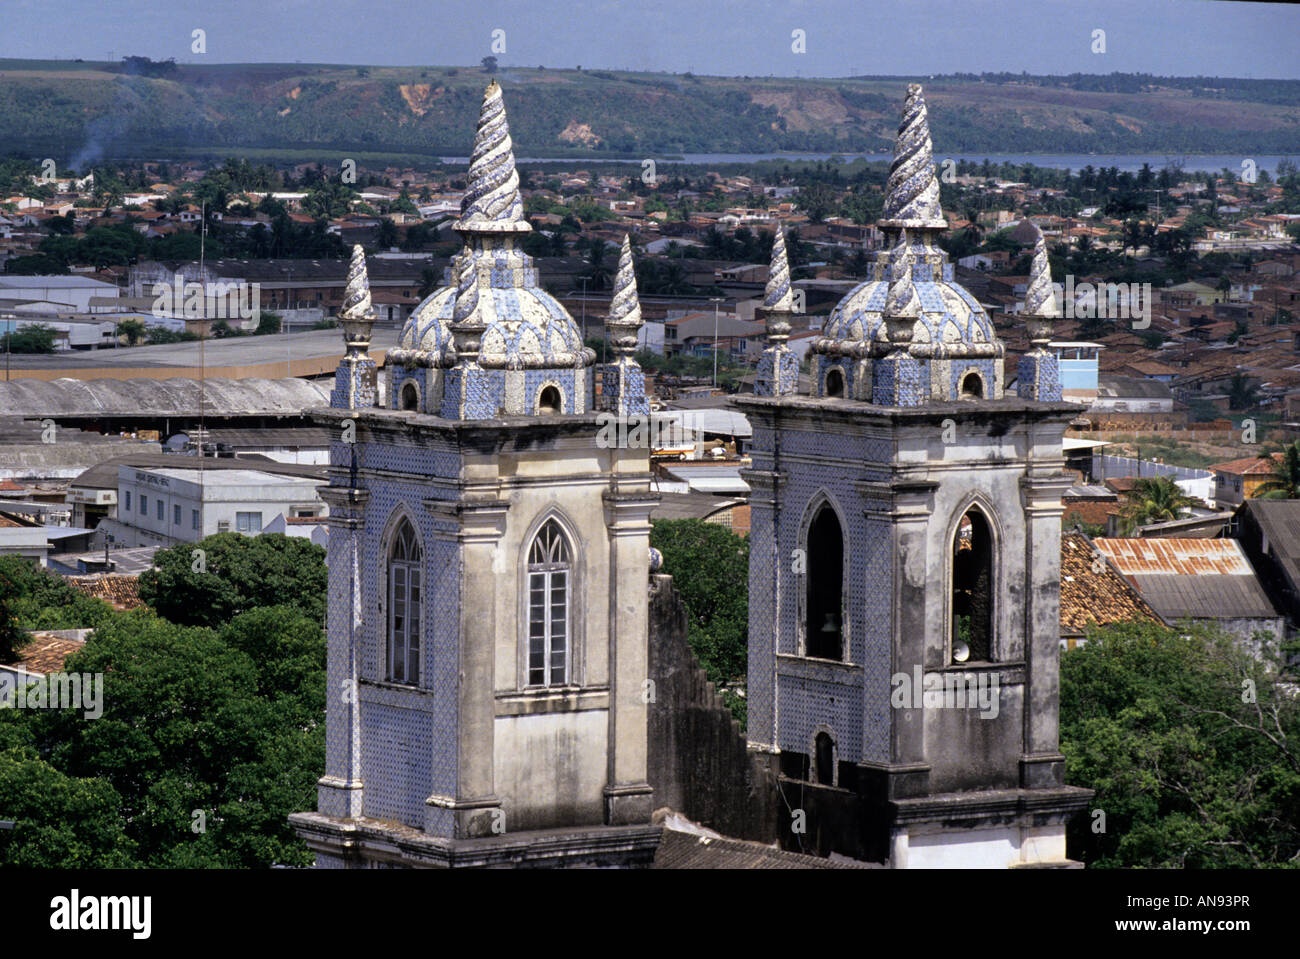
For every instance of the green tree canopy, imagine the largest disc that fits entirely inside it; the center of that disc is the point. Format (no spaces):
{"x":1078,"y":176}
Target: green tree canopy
{"x":1190,"y":744}
{"x":239,"y":573}
{"x":710,"y":569}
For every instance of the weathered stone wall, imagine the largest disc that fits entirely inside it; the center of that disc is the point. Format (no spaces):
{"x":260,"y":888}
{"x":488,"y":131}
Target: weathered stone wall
{"x":699,"y":764}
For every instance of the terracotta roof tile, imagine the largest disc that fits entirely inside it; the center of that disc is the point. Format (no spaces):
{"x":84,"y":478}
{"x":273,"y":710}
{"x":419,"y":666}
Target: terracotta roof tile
{"x":120,"y":590}
{"x":1095,"y":598}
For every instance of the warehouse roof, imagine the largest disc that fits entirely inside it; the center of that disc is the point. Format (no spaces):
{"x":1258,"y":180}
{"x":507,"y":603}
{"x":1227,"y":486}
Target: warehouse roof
{"x":170,"y":397}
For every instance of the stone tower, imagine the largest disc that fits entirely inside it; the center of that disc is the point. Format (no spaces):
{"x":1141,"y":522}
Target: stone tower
{"x":488,"y":580}
{"x":904,"y":564}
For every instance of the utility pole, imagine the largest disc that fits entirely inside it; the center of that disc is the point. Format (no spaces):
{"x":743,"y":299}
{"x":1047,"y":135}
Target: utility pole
{"x":715,"y":301}
{"x":584,"y":311}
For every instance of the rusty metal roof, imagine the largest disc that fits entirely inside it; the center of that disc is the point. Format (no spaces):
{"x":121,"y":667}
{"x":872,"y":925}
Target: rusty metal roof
{"x":1176,"y":555}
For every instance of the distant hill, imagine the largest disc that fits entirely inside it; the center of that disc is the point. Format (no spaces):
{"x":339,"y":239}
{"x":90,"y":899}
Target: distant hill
{"x":78,"y":112}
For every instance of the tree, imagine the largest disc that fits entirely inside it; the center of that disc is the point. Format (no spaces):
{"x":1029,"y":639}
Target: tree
{"x":1190,"y":771}
{"x":60,"y":822}
{"x":198,"y":730}
{"x":133,"y":330}
{"x":1284,"y":483}
{"x":710,"y":569}
{"x":33,"y":338}
{"x":1155,"y":500}
{"x":1243,"y":393}
{"x":238,"y":573}
{"x":267,"y":322}
{"x":489,"y":64}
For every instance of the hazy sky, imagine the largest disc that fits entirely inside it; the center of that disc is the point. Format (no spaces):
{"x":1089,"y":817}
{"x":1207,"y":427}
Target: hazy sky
{"x":731,"y":37}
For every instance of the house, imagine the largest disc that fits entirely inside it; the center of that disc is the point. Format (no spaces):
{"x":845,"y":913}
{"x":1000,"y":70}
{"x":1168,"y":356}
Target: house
{"x":1093,"y":593}
{"x":1236,"y":481}
{"x":1205,"y":580}
{"x":1269,"y":532}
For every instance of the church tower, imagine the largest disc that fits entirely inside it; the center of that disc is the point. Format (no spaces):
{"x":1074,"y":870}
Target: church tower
{"x":488,"y":565}
{"x":904,"y":566}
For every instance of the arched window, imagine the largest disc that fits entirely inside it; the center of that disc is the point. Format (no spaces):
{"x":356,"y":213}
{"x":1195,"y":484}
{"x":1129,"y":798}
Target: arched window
{"x":824,"y":758}
{"x":410,"y":396}
{"x":404,"y":601}
{"x":823,"y":637}
{"x":549,"y":578}
{"x":972,"y":387}
{"x":835,"y":382}
{"x":550,"y":402}
{"x":972,"y":590}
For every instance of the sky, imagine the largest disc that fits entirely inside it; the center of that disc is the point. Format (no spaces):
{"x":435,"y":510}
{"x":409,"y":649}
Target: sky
{"x":719,"y":37}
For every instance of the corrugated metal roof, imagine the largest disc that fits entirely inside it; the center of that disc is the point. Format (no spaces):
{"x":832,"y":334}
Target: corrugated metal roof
{"x":1176,"y":596}
{"x":1179,"y":556}
{"x":171,"y":397}
{"x":1279,"y":520}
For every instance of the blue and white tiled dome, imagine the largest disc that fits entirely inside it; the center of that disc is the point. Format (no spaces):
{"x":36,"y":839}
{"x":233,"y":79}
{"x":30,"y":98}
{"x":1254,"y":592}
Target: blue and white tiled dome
{"x":952,"y":350}
{"x":491,"y":342}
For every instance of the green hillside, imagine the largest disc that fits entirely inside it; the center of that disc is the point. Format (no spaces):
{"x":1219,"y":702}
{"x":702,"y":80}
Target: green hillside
{"x":77,"y":112}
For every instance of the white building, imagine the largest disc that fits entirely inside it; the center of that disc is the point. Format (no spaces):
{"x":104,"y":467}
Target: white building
{"x":164,"y":506}
{"x":72,"y":292}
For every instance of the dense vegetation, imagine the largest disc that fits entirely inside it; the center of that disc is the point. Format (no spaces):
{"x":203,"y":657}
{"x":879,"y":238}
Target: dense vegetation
{"x":1190,"y":743}
{"x":110,"y":110}
{"x":212,"y":729}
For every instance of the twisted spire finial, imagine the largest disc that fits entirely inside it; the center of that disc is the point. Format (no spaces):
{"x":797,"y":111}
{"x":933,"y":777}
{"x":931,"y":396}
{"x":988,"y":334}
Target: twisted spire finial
{"x":778,"y":295}
{"x":1040,"y":295}
{"x":356,"y":294}
{"x":912,"y":193}
{"x":492,"y":202}
{"x":624,"y":319}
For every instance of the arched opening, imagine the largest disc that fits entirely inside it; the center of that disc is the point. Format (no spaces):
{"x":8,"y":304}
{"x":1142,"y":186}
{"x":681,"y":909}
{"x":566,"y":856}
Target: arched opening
{"x":972,"y":590}
{"x":972,"y":387}
{"x":550,"y":402}
{"x":410,"y":397}
{"x":548,"y":607}
{"x":404,"y":600}
{"x":823,"y":627}
{"x":824,"y":759}
{"x":835,"y":382}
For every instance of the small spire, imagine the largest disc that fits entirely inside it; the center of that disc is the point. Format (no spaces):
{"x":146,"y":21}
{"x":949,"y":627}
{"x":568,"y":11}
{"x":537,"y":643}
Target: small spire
{"x":356,"y":294}
{"x":912,"y":193}
{"x":1040,"y":296}
{"x":624,"y":318}
{"x":492,"y":202}
{"x":354,"y":379}
{"x":901,"y":300}
{"x":778,"y":296}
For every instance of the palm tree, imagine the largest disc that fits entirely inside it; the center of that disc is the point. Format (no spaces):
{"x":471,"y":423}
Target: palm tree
{"x":1285,"y":481}
{"x":1155,"y":500}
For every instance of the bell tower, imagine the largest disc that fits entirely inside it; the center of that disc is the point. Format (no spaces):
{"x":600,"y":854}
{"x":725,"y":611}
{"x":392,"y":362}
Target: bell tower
{"x":489,"y":566}
{"x":904,"y":567}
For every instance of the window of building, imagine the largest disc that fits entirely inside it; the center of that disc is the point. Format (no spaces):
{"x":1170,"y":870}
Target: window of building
{"x":160,"y":512}
{"x":176,"y":515}
{"x":823,"y":636}
{"x":548,"y":607}
{"x":248,"y":522}
{"x":223,"y":526}
{"x":404,"y":603}
{"x":972,"y":590}
{"x":194,"y":519}
{"x":824,"y":759}
{"x":144,"y":505}
{"x":835,"y":383}
{"x":972,"y":387}
{"x":127,"y":500}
